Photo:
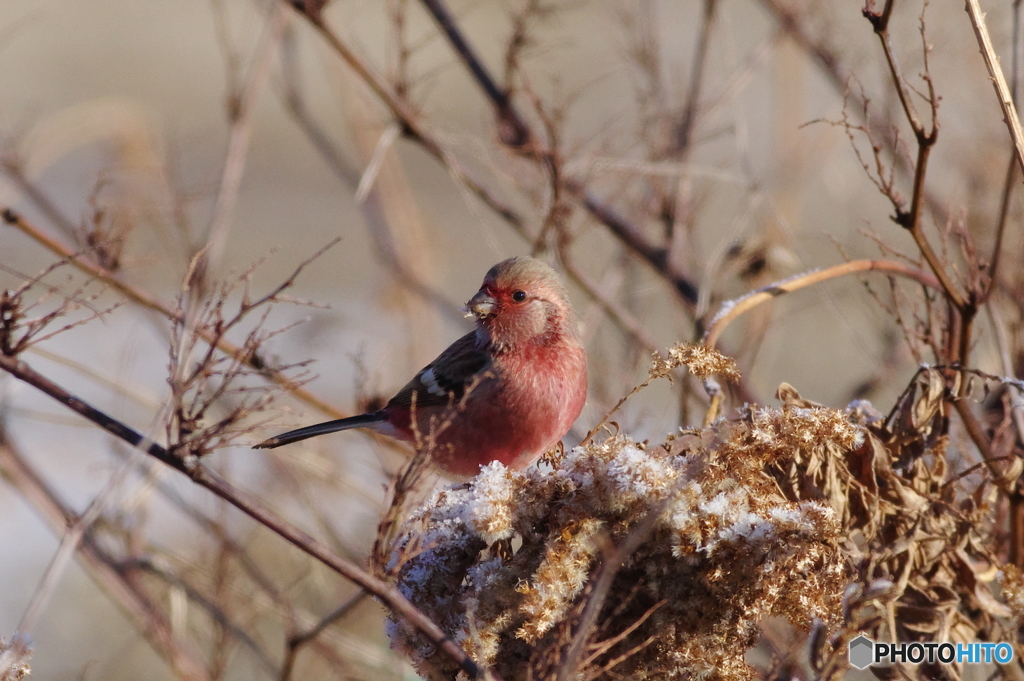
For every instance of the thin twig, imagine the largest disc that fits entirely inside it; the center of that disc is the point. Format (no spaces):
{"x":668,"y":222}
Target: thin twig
{"x":1011,"y":180}
{"x":336,"y":160}
{"x":828,"y":60}
{"x":731,"y":310}
{"x":413,"y":125}
{"x":215,"y":612}
{"x":68,"y":545}
{"x":602,"y":582}
{"x":518,"y":133}
{"x":926,"y":139}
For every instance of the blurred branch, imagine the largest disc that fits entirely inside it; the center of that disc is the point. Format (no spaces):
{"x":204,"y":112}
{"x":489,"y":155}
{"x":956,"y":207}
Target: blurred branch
{"x":102,"y":568}
{"x":1009,"y":183}
{"x":216,"y":613}
{"x":250,"y":505}
{"x":631,"y":235}
{"x":15,"y":171}
{"x":513,"y":129}
{"x":297,"y":641}
{"x":684,"y":133}
{"x":619,"y":315}
{"x":251,"y":567}
{"x":1007,"y":101}
{"x":69,"y":543}
{"x":240,"y":114}
{"x":731,"y":310}
{"x":142,"y":297}
{"x":336,"y":160}
{"x":411,"y":120}
{"x":1006,"y":363}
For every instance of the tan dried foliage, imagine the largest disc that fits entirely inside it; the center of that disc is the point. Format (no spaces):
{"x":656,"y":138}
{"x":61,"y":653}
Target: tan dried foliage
{"x":703,"y":362}
{"x":918,"y":538}
{"x":841,"y":522}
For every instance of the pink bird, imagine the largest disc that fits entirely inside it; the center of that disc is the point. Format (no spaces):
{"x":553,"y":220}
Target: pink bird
{"x":510,"y":389}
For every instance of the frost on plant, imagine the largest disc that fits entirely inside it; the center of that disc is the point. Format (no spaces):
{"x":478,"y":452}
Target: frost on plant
{"x":727,"y":549}
{"x":840,"y":522}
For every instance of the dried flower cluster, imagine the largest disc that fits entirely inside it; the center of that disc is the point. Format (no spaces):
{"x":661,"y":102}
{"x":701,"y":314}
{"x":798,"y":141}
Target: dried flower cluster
{"x":703,"y":362}
{"x":1013,"y":590}
{"x":840,"y":522}
{"x":14,"y":661}
{"x":726,"y":549}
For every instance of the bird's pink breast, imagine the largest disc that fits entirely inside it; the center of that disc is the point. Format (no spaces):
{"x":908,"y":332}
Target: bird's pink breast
{"x":514,"y":417}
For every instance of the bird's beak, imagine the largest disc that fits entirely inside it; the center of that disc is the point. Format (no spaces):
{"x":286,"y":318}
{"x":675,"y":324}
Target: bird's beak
{"x":481,"y":305}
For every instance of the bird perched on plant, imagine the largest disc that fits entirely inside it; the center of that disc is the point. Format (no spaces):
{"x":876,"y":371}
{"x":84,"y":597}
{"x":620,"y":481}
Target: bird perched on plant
{"x":507,"y":391}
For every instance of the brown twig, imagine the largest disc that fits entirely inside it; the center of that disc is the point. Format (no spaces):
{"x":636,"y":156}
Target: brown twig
{"x":630,"y":235}
{"x":731,"y":310}
{"x":613,"y":560}
{"x":14,"y":169}
{"x":253,"y":570}
{"x":514,"y":130}
{"x":1008,"y":102}
{"x":252,"y":507}
{"x":412,"y":123}
{"x":215,"y":612}
{"x":620,"y":316}
{"x":345,"y":171}
{"x":828,"y":60}
{"x":926,"y":139}
{"x":69,"y":544}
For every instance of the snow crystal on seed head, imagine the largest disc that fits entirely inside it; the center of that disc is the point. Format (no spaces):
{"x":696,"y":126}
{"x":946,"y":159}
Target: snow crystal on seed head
{"x":636,"y":475}
{"x":489,"y":508}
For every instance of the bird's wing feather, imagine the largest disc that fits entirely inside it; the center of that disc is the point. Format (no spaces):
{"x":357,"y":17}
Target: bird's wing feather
{"x":446,"y":379}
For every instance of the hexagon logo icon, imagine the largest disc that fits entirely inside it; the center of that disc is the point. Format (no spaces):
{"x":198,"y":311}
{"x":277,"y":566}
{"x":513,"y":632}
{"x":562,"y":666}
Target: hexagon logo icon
{"x":862,"y":651}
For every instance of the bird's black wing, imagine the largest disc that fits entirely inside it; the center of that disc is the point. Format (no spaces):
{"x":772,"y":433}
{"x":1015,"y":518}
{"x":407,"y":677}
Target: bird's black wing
{"x":446,"y":379}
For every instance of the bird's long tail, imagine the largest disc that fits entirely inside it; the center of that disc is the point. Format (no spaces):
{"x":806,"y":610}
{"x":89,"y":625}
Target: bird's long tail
{"x":361,"y":421}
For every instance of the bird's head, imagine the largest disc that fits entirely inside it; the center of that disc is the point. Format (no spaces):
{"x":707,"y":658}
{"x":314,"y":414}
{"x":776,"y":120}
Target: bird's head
{"x":522,"y":301}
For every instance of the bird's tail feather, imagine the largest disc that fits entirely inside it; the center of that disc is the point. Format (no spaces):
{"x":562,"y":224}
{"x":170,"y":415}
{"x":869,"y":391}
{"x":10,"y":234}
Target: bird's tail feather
{"x":361,"y":421}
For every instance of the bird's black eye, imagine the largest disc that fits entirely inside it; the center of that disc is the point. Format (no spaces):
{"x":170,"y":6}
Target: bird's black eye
{"x":519,"y":296}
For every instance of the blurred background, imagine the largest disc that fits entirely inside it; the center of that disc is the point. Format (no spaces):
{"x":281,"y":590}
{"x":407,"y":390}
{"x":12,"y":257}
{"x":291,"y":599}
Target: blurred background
{"x":680,"y":154}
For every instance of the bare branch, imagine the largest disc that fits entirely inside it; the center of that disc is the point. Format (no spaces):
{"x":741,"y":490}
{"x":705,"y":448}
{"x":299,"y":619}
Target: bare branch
{"x":253,"y":508}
